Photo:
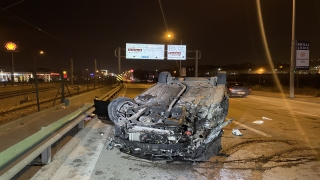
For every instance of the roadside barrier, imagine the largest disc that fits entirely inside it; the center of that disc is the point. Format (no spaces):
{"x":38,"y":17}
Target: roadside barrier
{"x":15,"y":158}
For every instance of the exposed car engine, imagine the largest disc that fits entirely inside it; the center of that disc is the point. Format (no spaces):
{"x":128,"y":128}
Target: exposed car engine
{"x":175,"y":119}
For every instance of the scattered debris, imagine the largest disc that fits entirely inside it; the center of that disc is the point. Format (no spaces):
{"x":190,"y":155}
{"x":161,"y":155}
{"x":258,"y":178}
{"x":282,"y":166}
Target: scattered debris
{"x":258,"y":122}
{"x":101,"y":133}
{"x":26,"y":99}
{"x":110,"y":143}
{"x":266,"y":118}
{"x":88,"y":118}
{"x":103,"y":117}
{"x":236,"y":132}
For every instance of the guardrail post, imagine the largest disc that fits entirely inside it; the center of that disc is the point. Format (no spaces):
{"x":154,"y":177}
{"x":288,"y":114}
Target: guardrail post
{"x":46,"y":155}
{"x":81,"y":124}
{"x":62,"y":87}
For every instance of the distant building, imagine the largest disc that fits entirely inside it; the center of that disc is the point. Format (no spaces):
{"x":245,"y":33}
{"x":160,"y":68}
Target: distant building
{"x":20,"y":75}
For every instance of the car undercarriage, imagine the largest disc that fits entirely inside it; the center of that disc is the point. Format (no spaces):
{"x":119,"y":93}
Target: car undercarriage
{"x":175,"y":119}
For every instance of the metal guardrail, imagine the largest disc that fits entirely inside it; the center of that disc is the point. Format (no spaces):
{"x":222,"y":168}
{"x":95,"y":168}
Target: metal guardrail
{"x":15,"y":158}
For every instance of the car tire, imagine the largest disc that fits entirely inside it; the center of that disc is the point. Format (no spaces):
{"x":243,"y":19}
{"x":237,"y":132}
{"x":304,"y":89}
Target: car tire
{"x":114,"y":108}
{"x":163,"y":76}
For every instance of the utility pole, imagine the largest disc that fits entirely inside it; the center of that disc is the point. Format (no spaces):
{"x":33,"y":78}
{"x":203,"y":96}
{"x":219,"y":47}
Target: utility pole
{"x":95,"y":73}
{"x":180,"y":60}
{"x":12,"y":69}
{"x":119,"y":60}
{"x":196,"y":65}
{"x":293,"y":51}
{"x":71,"y":71}
{"x":36,"y":82}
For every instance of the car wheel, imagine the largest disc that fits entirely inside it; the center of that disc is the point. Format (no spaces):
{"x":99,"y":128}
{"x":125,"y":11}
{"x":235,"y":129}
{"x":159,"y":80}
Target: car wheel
{"x":120,"y":108}
{"x":163,"y":76}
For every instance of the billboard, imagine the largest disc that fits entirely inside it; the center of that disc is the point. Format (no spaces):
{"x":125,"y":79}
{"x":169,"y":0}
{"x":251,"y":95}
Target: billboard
{"x":302,"y":55}
{"x":11,"y":46}
{"x":145,"y":51}
{"x":176,"y":52}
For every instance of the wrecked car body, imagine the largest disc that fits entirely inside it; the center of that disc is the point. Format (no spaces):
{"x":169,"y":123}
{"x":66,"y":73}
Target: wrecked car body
{"x":175,"y":119}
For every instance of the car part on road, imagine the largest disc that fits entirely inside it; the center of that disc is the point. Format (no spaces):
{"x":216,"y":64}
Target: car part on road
{"x":175,"y":119}
{"x":236,"y":132}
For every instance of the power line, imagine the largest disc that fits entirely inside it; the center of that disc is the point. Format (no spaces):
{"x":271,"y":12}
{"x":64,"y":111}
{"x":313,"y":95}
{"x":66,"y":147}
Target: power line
{"x":44,"y":31}
{"x":3,"y":9}
{"x":165,"y":23}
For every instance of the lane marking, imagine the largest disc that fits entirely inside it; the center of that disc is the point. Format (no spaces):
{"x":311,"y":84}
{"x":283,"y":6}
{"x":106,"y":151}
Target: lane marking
{"x":252,"y":129}
{"x":80,"y":163}
{"x":306,"y":113}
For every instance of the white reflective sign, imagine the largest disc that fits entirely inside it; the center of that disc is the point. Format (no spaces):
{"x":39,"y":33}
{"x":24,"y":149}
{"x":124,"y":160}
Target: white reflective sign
{"x":176,"y":52}
{"x":302,"y":55}
{"x":145,"y":51}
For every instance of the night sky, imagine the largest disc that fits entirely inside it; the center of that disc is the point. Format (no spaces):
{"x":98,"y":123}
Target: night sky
{"x":225,"y":31}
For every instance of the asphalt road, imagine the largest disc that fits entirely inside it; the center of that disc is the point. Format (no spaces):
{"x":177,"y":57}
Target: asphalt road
{"x":280,"y":141}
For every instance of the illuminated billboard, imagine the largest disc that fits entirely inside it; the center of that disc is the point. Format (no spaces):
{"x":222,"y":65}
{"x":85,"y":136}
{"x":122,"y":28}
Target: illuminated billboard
{"x":11,"y":46}
{"x":302,"y":55}
{"x":145,"y":51}
{"x":176,"y":52}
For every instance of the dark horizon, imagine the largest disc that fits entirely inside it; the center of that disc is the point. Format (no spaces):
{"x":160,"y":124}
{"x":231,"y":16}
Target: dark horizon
{"x":226,"y":32}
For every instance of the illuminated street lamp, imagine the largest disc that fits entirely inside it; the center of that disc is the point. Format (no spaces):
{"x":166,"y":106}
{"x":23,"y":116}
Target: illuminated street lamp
{"x":170,"y":35}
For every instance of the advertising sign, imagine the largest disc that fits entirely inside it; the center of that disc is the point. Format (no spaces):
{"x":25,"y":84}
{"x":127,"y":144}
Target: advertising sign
{"x":145,"y":51}
{"x":302,"y":55}
{"x":176,"y":52}
{"x":11,"y":47}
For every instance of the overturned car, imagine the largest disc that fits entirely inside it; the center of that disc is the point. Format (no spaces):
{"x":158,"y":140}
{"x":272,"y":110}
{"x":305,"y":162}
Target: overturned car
{"x":175,"y":119}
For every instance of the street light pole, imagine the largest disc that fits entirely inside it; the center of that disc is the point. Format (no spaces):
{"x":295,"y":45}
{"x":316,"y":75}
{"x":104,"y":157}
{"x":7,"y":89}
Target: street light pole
{"x":180,"y":61}
{"x":293,"y":51}
{"x":36,"y":81}
{"x":95,"y":74}
{"x":12,"y":69}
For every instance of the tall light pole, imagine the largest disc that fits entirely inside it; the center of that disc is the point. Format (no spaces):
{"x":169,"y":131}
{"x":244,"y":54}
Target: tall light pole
{"x":169,"y":35}
{"x":260,"y":72}
{"x":36,"y":80}
{"x":293,"y":51}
